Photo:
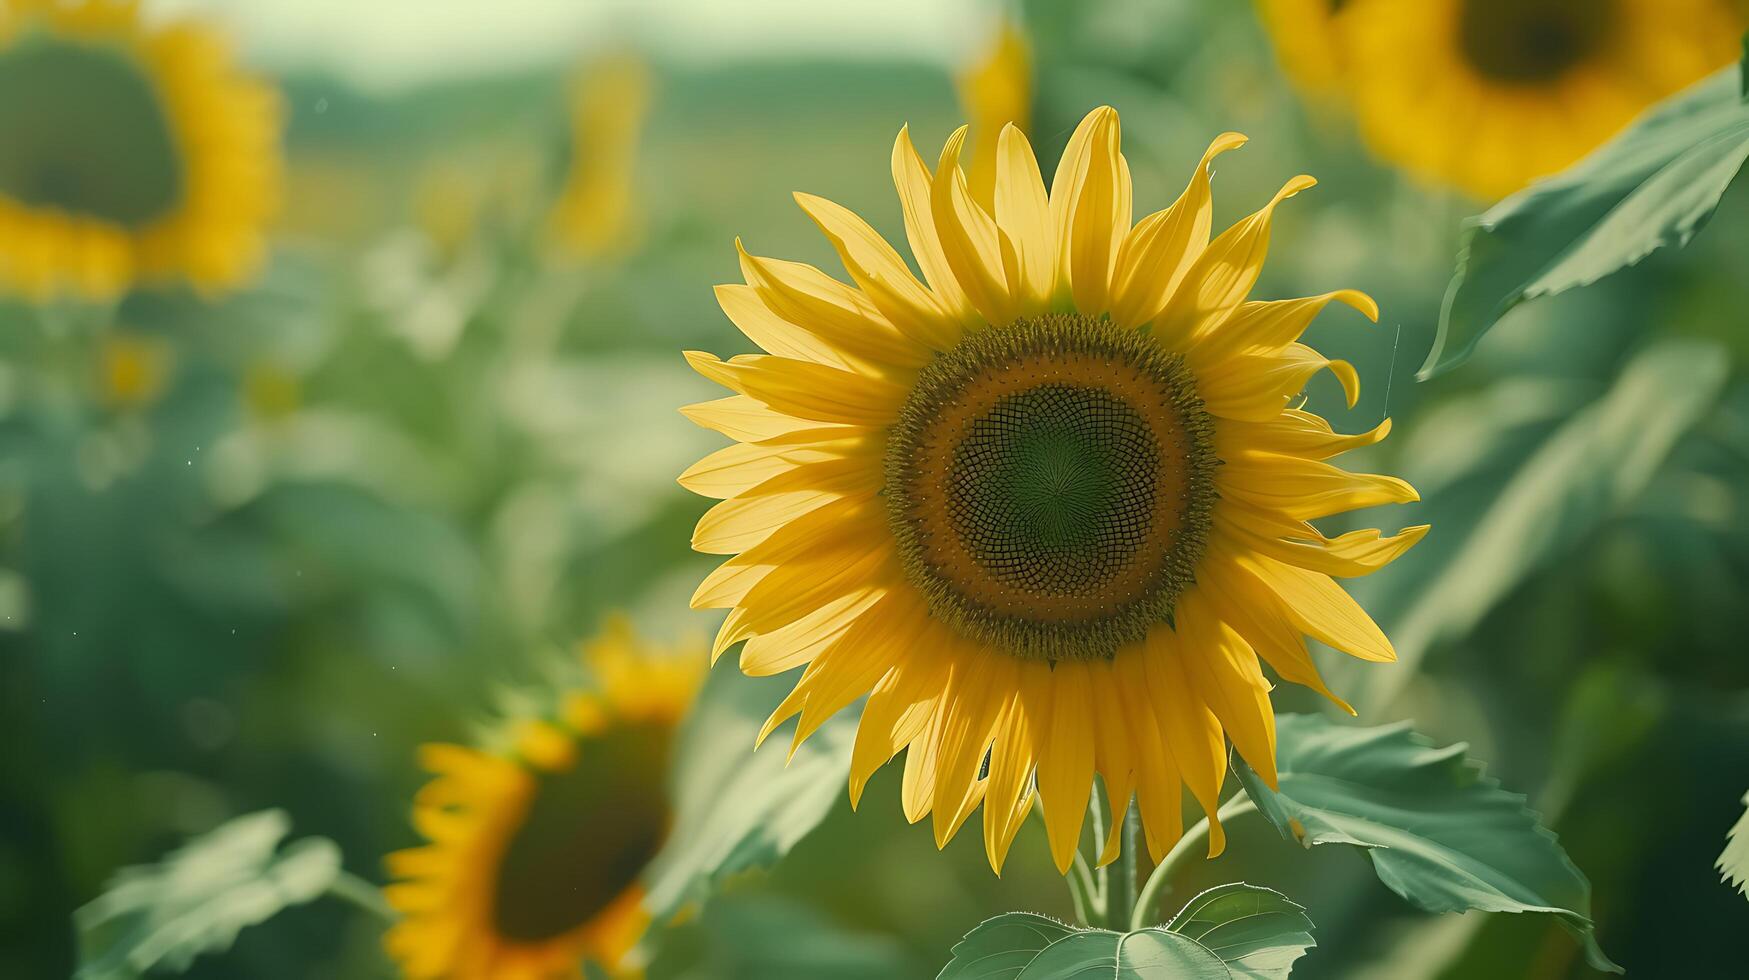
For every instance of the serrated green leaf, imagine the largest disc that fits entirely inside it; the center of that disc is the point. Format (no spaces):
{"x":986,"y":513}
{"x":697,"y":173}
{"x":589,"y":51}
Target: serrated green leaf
{"x":736,"y":809}
{"x":1653,"y":185}
{"x":1233,"y":932}
{"x":999,"y":948}
{"x":1439,"y":833}
{"x":1146,"y":954}
{"x":1258,"y":932}
{"x":1588,"y":470}
{"x":199,"y":897}
{"x":1734,"y":860}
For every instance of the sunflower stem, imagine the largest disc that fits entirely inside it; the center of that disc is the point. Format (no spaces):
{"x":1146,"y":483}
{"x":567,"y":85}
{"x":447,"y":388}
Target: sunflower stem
{"x":1159,"y":883}
{"x":357,"y":892}
{"x":1121,"y":897}
{"x":1082,"y":892}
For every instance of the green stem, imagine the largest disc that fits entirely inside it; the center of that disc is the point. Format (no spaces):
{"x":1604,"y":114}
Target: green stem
{"x":1142,"y":915}
{"x":1121,"y":897}
{"x":357,"y":892}
{"x":1088,"y":905}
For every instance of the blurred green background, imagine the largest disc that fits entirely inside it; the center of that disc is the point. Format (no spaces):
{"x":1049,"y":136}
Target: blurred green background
{"x":428,"y":449}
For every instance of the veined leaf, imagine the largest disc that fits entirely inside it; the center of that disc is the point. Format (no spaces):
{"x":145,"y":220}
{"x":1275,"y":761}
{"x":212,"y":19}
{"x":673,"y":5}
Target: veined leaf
{"x":1257,"y":932}
{"x":1232,"y":932}
{"x":736,"y":809}
{"x":1653,"y":185}
{"x":199,"y":897}
{"x":1439,"y":832}
{"x":1734,"y":860}
{"x":1596,"y":463}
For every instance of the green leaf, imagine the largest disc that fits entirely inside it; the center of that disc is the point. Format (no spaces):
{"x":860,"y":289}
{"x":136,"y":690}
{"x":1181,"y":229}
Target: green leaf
{"x":1232,"y":932}
{"x":763,"y":937}
{"x":1734,"y":860}
{"x":1257,"y":932}
{"x":1588,"y":470}
{"x":199,"y":897}
{"x":1439,"y":833}
{"x":737,"y":809}
{"x":1653,"y":185}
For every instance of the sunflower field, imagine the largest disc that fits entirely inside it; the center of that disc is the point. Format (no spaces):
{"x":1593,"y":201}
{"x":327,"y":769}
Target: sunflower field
{"x":768,"y":490}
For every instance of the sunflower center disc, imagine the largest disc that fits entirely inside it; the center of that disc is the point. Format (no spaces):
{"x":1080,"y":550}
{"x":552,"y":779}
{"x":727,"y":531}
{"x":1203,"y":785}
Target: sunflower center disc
{"x":1529,"y":41}
{"x":84,"y":133}
{"x":1049,"y":484}
{"x":586,"y":836}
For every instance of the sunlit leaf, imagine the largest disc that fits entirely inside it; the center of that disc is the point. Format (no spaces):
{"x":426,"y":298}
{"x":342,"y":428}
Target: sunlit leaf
{"x":1734,"y":861}
{"x":1655,"y":184}
{"x":1439,"y":832}
{"x":1586,"y":472}
{"x":199,"y":897}
{"x":1232,"y":932}
{"x":1257,"y":932}
{"x":737,"y":809}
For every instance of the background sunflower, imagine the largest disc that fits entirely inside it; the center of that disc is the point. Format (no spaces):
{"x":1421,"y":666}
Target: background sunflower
{"x":84,"y":85}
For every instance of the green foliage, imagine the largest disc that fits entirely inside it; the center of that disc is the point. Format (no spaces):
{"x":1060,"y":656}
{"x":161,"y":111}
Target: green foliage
{"x":736,"y":809}
{"x":1439,"y":833}
{"x":199,"y":897}
{"x":1588,"y":469}
{"x":1235,"y":931}
{"x":1734,"y":860}
{"x":1655,"y":184}
{"x":767,"y":938}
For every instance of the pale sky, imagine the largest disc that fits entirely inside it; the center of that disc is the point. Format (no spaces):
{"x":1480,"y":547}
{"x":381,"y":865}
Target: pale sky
{"x":393,"y":43}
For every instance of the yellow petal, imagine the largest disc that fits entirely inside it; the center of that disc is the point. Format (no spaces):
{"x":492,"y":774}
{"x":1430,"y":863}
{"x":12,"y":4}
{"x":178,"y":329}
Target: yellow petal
{"x":1256,"y":613}
{"x":1113,"y":754}
{"x":797,"y":588}
{"x":799,"y":642}
{"x":1090,"y":210}
{"x":832,"y":525}
{"x":917,"y":783}
{"x":1023,"y":212}
{"x":1223,"y":671}
{"x":739,"y":523}
{"x":883,"y":276}
{"x":1350,"y":555}
{"x":743,"y":466}
{"x":744,"y":419}
{"x":772,"y":332}
{"x":1158,"y":784}
{"x":1267,"y":327}
{"x":1305,"y":489}
{"x":804,"y":389}
{"x":1293,"y":433}
{"x":1065,"y":756}
{"x":912,"y":179}
{"x":969,"y":237}
{"x":840,"y":318}
{"x":1189,"y":724}
{"x":1257,"y":387}
{"x":1223,"y":276}
{"x":1316,"y":606}
{"x":1008,"y":796}
{"x":1156,"y":255}
{"x":895,"y":714}
{"x":967,"y":728}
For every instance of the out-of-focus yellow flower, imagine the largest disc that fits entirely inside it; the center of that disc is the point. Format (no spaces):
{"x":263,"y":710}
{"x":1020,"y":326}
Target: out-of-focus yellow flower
{"x":132,"y":369}
{"x":446,"y":206}
{"x":1047,"y":507}
{"x":537,"y":842}
{"x":596,"y":213}
{"x":996,"y":90}
{"x":127,"y":152}
{"x":1488,"y":95}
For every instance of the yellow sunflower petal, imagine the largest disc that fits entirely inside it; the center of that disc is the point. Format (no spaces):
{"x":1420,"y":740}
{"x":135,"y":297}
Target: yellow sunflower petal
{"x":1161,"y":248}
{"x":883,"y":276}
{"x":1224,"y":274}
{"x":973,"y":245}
{"x":1023,"y":212}
{"x":1066,"y":751}
{"x":912,"y":179}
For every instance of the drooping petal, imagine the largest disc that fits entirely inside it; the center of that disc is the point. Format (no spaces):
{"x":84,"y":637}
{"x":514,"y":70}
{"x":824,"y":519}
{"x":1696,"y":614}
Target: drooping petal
{"x":1306,"y":489}
{"x":1269,"y":326}
{"x":1224,"y":673}
{"x":1292,"y":433}
{"x":1065,"y":755}
{"x":1223,"y":276}
{"x":1158,"y":252}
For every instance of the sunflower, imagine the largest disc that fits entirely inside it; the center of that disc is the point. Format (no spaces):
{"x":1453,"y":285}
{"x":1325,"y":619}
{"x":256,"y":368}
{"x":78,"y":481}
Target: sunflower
{"x":1488,"y":95}
{"x":995,"y":90}
{"x":537,"y":840}
{"x":595,"y":213}
{"x":1046,"y":511}
{"x":129,"y":152}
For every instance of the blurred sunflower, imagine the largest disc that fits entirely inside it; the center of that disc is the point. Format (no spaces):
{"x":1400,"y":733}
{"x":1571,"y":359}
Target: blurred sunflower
{"x":995,"y":90}
{"x":595,"y":212}
{"x":538,"y":838}
{"x":1047,"y":510}
{"x":129,"y":152}
{"x":1488,"y":95}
